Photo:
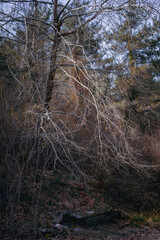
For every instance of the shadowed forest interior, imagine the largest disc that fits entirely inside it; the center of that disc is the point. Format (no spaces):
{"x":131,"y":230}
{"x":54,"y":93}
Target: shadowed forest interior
{"x":79,"y":111}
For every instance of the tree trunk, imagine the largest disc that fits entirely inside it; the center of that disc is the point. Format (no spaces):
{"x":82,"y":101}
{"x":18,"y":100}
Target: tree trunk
{"x":53,"y":67}
{"x":52,"y":72}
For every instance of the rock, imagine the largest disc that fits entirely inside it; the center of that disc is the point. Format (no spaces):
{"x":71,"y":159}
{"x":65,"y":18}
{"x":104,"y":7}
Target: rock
{"x":101,"y":218}
{"x":64,"y":217}
{"x":89,"y":220}
{"x":70,"y":217}
{"x":57,"y":216}
{"x":57,"y":231}
{"x":58,"y":226}
{"x":90,"y":213}
{"x":78,"y":229}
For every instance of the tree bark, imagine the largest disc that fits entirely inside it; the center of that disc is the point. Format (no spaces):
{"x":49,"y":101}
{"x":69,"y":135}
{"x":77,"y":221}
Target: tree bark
{"x":52,"y":72}
{"x":53,"y":67}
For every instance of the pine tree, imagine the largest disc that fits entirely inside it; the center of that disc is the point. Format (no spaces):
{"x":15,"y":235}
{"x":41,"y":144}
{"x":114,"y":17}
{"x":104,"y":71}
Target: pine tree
{"x":136,"y":85}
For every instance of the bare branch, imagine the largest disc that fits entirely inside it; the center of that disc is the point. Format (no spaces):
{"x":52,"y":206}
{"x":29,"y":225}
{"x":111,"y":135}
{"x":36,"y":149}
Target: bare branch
{"x":25,"y":1}
{"x":65,"y":6}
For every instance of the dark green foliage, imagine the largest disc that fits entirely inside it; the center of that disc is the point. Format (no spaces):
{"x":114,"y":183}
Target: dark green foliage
{"x":137,"y":77}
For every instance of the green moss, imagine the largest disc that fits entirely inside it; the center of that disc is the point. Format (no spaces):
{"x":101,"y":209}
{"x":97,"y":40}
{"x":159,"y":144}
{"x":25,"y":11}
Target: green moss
{"x":144,"y":218}
{"x":156,"y":218}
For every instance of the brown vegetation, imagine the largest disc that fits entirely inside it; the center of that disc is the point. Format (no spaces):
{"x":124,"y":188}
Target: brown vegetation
{"x":61,"y":132}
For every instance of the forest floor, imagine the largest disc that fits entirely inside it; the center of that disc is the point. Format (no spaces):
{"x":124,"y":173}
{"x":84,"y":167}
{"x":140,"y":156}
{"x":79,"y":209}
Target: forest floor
{"x":66,"y":193}
{"x":138,"y":223}
{"x":114,"y":232}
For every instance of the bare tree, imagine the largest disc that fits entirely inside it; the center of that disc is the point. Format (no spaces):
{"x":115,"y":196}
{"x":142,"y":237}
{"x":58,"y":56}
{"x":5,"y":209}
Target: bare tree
{"x":79,"y":128}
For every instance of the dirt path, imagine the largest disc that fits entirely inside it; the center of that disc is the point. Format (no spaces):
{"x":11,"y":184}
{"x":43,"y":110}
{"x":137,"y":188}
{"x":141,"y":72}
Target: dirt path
{"x":114,"y":232}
